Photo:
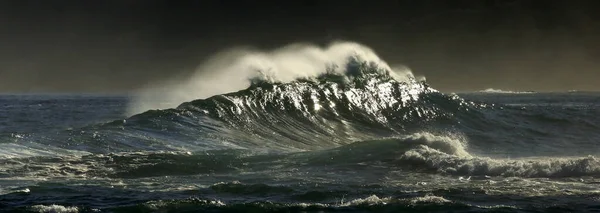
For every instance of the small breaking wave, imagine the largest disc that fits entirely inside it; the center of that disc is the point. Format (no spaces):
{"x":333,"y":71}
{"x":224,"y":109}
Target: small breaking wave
{"x":447,"y":155}
{"x":441,"y":162}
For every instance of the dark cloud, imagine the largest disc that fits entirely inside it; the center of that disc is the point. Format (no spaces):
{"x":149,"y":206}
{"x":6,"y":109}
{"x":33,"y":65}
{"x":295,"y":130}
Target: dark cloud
{"x":117,"y":46}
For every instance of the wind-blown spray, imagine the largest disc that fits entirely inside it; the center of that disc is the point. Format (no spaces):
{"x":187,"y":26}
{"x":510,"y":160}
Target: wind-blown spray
{"x":232,"y":70}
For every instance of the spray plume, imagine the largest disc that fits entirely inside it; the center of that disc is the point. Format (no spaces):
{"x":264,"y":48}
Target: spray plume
{"x":232,"y":70}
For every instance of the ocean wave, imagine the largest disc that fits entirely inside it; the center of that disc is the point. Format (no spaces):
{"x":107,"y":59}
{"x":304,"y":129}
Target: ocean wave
{"x":363,"y":101}
{"x":441,"y":162}
{"x":447,"y":155}
{"x":499,"y":91}
{"x":237,"y":69}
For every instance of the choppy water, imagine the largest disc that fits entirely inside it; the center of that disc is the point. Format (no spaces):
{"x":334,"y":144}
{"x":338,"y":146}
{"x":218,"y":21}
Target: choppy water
{"x":357,"y":141}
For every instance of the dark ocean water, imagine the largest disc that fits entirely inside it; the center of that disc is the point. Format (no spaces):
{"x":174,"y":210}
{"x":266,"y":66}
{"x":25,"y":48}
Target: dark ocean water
{"x":361,"y":142}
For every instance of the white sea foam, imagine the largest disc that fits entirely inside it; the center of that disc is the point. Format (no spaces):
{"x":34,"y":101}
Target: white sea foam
{"x":429,"y":199}
{"x":371,"y":200}
{"x":54,"y":209}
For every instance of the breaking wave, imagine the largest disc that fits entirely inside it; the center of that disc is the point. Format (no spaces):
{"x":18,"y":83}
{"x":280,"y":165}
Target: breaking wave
{"x":237,"y":68}
{"x":360,"y":99}
{"x":339,"y":101}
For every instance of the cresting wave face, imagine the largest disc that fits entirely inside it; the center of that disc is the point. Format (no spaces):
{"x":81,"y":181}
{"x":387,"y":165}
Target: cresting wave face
{"x":235,"y":69}
{"x":362,"y":101}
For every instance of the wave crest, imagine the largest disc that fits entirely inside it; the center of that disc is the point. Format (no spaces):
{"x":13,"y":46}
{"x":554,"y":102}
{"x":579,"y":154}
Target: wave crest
{"x":237,"y":69}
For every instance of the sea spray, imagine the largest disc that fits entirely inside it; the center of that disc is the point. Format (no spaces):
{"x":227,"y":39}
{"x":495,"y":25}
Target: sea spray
{"x":233,"y":69}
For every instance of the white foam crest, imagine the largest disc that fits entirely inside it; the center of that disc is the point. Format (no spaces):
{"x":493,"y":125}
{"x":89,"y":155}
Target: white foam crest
{"x":54,"y":209}
{"x":451,"y":144}
{"x":375,"y":200}
{"x":158,"y":204}
{"x":232,"y":70}
{"x":371,"y":200}
{"x":428,"y":199}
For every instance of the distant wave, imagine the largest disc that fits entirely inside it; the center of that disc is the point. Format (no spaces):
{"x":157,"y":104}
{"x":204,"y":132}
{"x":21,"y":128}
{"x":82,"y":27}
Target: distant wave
{"x":492,"y":90}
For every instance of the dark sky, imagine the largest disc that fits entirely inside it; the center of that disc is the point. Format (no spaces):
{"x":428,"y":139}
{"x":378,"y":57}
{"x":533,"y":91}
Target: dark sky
{"x":120,"y":45}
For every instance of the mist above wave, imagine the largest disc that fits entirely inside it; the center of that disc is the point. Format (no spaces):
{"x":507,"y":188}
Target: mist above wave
{"x":237,"y":68}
